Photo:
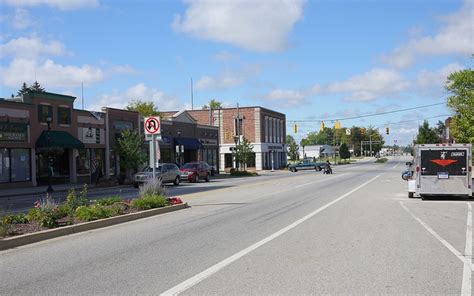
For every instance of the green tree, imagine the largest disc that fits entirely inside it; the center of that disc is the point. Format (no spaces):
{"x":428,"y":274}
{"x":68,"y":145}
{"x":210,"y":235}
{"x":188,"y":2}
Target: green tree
{"x":23,"y":90}
{"x":37,"y":87}
{"x":213,"y":104}
{"x":375,"y":136}
{"x":440,"y":130}
{"x":344,"y":151}
{"x":324,"y":137}
{"x":461,"y":86}
{"x":129,"y":148}
{"x":427,"y":135}
{"x":243,"y":154}
{"x":292,"y":147}
{"x":144,"y":108}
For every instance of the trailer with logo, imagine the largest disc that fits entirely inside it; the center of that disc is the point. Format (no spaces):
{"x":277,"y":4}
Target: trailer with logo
{"x":441,"y":170}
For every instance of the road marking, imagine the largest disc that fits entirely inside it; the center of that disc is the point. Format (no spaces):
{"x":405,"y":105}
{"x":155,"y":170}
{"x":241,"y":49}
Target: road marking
{"x":396,"y":165}
{"x":185,"y":285}
{"x":467,"y":259}
{"x":467,"y":270}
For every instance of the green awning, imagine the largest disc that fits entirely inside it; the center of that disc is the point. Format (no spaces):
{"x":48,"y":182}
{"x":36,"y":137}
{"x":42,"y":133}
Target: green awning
{"x":58,"y":139}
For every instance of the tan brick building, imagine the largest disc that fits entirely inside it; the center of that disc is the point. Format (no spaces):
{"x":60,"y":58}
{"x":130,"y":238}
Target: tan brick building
{"x":264,"y":128}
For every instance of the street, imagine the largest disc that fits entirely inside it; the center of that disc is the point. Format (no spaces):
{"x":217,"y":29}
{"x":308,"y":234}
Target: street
{"x":353,"y":232}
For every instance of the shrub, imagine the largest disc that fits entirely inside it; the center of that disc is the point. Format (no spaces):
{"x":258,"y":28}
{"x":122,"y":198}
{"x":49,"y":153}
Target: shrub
{"x":46,"y":212}
{"x":73,"y":201}
{"x":94,"y":212}
{"x":108,"y":201}
{"x":153,"y":187}
{"x":14,"y":219}
{"x":381,"y":160}
{"x":4,"y":229}
{"x":149,"y":202}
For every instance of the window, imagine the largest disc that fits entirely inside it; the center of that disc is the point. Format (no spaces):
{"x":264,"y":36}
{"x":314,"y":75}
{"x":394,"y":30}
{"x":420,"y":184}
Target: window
{"x":238,"y":126}
{"x":44,"y":111}
{"x":20,"y":165}
{"x":64,"y":115}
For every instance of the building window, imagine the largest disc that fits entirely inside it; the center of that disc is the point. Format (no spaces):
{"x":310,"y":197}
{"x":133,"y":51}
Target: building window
{"x":64,"y":115}
{"x":82,"y":162}
{"x":44,"y":111}
{"x":4,"y":166}
{"x":238,"y":126}
{"x":20,"y":165}
{"x":14,"y":165}
{"x":266,"y":129}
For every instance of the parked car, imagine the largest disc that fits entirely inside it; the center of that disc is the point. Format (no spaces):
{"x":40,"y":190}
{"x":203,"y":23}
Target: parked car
{"x":306,"y":164}
{"x":193,"y":171}
{"x":167,"y":172}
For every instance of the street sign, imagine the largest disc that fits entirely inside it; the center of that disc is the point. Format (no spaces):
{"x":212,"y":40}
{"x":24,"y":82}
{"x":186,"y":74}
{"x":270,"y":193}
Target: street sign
{"x":348,"y":131}
{"x":152,"y":125}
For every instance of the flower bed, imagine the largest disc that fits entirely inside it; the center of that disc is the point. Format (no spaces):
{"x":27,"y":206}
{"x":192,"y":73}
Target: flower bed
{"x":47,"y":213}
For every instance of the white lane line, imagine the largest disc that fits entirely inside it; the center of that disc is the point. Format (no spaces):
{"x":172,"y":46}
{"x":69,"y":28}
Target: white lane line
{"x":467,"y":270}
{"x":183,"y":286}
{"x":436,"y":235}
{"x":396,"y":165}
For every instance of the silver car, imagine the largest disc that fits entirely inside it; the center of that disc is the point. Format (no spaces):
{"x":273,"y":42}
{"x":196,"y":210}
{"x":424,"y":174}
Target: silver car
{"x":167,"y":172}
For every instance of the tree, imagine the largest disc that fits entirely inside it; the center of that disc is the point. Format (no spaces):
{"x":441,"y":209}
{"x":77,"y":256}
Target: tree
{"x":292,"y":147}
{"x":461,"y":101}
{"x":144,"y":108}
{"x":324,"y":137}
{"x":23,"y":90}
{"x":129,"y":148}
{"x":243,"y":153}
{"x":37,"y":87}
{"x":213,"y":104}
{"x":427,"y":135}
{"x":440,"y":130}
{"x":344,"y":151}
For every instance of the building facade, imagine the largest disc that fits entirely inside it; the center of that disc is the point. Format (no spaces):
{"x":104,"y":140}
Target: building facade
{"x":44,"y":139}
{"x":265,"y":129}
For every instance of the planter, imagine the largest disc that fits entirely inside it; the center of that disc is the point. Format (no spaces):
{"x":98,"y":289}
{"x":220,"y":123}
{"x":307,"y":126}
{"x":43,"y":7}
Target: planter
{"x":20,"y":240}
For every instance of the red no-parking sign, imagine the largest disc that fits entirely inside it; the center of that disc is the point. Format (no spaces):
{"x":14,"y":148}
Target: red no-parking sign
{"x":152,"y":125}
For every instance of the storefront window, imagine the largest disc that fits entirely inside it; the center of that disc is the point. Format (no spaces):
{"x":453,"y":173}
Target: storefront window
{"x":4,"y":166}
{"x":20,"y":165}
{"x":82,"y":162}
{"x":113,"y":165}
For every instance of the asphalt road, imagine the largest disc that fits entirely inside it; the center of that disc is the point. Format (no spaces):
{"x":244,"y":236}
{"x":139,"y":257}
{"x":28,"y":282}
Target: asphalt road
{"x":354,"y":232}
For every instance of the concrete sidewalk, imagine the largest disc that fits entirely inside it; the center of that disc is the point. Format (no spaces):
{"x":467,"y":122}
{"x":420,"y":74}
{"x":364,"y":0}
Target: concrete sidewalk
{"x":5,"y":193}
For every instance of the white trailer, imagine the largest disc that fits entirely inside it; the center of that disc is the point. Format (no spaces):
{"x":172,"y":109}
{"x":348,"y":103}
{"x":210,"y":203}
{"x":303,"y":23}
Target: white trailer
{"x":442,"y":170}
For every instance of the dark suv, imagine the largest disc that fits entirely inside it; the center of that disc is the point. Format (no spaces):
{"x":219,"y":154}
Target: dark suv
{"x":193,"y":171}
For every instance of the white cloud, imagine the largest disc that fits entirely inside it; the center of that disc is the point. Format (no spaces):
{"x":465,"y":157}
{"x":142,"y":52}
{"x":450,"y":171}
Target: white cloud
{"x":60,"y":4}
{"x":261,"y":26}
{"x":137,"y":92}
{"x":48,"y":73}
{"x":219,"y":82}
{"x":429,"y":80}
{"x":225,"y":56}
{"x":455,"y":37}
{"x":22,"y":19}
{"x":31,"y":47}
{"x":286,"y":98}
{"x":124,"y":69}
{"x":370,"y":85}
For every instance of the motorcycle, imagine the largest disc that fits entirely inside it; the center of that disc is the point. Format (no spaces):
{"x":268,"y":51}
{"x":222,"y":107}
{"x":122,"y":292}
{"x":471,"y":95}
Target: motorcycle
{"x":327,"y":170}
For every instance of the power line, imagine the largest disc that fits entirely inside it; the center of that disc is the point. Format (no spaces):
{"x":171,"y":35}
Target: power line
{"x":367,"y":115}
{"x":412,"y":120}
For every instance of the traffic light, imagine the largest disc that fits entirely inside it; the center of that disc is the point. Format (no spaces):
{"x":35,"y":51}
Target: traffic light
{"x":337,"y":124}
{"x":362,"y":131}
{"x":387,"y":130}
{"x":322,"y":126}
{"x":295,"y":128}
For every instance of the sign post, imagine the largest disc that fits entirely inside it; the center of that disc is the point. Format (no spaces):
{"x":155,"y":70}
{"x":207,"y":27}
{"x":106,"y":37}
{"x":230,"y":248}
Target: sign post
{"x":152,"y":127}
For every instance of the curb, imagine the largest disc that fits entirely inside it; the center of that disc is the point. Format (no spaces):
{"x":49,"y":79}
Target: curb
{"x":25,"y":239}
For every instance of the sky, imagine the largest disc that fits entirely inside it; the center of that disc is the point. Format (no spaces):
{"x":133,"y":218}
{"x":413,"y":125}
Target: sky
{"x":312,"y":60}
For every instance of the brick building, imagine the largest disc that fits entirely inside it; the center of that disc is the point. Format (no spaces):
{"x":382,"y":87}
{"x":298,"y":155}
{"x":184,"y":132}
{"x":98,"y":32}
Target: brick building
{"x":264,"y":128}
{"x":42,"y":137}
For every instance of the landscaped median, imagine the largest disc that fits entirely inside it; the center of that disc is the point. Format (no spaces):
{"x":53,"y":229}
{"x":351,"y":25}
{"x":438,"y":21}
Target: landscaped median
{"x":49,"y":220}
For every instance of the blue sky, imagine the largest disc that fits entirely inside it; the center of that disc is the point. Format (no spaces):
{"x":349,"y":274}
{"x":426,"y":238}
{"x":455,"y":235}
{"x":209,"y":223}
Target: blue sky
{"x":312,"y":60}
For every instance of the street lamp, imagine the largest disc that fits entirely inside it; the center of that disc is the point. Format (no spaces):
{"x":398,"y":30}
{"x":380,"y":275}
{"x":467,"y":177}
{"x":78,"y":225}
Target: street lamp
{"x":50,"y":161}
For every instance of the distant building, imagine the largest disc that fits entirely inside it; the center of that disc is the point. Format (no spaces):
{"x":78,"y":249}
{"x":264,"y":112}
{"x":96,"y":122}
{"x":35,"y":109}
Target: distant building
{"x":316,"y":151}
{"x":265,"y":129}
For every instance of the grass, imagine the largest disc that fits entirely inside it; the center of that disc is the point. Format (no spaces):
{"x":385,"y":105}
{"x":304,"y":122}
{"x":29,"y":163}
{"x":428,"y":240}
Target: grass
{"x":149,"y":202}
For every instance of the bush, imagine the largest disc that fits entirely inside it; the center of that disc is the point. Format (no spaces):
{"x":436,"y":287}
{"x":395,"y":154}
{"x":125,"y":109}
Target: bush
{"x":381,"y":160}
{"x":149,"y":202}
{"x":94,"y":212}
{"x":242,"y":173}
{"x":153,"y":187}
{"x":46,"y":212}
{"x":108,"y":201}
{"x":14,"y":219}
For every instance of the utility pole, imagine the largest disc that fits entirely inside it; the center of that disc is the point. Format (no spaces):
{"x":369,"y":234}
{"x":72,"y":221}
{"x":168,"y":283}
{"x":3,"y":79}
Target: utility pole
{"x":370,"y":141}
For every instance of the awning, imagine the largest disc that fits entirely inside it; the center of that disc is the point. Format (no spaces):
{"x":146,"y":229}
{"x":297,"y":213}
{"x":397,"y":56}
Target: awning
{"x":188,"y":143}
{"x":58,"y":139}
